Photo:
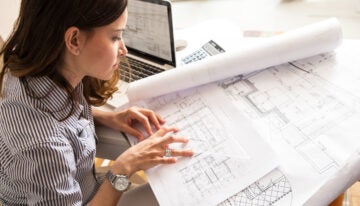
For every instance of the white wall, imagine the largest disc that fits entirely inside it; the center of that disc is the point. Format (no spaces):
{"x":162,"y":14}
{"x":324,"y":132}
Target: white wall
{"x":275,"y":17}
{"x":9,"y":10}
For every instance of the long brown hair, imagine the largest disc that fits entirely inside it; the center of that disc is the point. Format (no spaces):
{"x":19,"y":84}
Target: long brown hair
{"x":36,"y":44}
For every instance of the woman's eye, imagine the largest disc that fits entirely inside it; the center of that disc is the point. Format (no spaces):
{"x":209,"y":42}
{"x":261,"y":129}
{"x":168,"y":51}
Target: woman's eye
{"x":116,"y":38}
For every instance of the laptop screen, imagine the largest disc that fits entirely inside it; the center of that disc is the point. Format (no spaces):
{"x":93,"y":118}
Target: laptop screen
{"x":149,"y":30}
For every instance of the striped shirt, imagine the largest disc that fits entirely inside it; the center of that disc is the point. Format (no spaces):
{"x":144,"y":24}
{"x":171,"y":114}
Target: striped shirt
{"x":44,"y":161}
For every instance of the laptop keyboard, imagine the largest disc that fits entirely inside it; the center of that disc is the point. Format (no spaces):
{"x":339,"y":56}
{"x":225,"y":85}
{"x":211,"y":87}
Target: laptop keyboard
{"x":137,"y":71}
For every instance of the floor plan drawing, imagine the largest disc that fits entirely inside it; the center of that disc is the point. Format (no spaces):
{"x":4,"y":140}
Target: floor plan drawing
{"x":269,"y":190}
{"x":207,"y":174}
{"x":225,"y":161}
{"x":304,"y":107}
{"x":296,"y":104}
{"x":203,"y":128}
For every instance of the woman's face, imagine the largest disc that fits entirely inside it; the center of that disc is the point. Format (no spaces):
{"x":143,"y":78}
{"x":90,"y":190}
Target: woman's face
{"x":101,"y":53}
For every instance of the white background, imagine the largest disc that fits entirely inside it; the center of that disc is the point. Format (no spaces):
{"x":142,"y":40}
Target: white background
{"x":263,"y":15}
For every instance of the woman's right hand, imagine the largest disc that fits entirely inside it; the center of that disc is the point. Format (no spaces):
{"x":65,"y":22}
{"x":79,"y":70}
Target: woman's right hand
{"x":150,"y":152}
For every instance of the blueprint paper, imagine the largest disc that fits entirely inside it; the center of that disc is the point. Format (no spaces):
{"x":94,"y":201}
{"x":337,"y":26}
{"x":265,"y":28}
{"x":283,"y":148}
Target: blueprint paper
{"x":304,"y":42}
{"x":337,"y":183}
{"x":309,"y":112}
{"x":229,"y":153}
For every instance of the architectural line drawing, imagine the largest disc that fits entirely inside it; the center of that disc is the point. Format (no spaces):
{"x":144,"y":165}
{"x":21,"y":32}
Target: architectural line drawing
{"x":296,"y":103}
{"x":300,"y":105}
{"x":266,"y":191}
{"x":220,"y":158}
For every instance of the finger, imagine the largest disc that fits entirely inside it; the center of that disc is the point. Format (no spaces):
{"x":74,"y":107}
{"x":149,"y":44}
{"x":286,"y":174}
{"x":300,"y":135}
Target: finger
{"x":162,"y":160}
{"x":165,"y":130}
{"x":168,"y":160}
{"x":155,"y":118}
{"x":181,"y":153}
{"x":160,"y":119}
{"x":165,"y":160}
{"x":140,"y":117}
{"x":130,"y":130}
{"x":173,"y":139}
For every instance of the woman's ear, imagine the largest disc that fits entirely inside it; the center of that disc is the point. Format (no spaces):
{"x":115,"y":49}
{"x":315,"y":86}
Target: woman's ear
{"x":73,"y":40}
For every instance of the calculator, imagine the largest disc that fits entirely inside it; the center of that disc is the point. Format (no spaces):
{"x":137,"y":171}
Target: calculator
{"x":209,"y":49}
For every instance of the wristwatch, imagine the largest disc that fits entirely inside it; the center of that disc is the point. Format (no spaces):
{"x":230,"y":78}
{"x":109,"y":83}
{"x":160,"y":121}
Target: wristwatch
{"x":121,"y":183}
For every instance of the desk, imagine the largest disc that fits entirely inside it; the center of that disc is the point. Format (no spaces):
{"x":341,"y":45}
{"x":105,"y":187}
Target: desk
{"x":271,"y":16}
{"x":296,"y":108}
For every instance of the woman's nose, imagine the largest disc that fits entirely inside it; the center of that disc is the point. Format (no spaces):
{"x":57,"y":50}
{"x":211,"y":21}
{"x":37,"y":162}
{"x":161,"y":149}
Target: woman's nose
{"x":123,"y":50}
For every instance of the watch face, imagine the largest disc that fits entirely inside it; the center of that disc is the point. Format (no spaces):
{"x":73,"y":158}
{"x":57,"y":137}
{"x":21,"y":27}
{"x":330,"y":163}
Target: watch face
{"x":121,"y":183}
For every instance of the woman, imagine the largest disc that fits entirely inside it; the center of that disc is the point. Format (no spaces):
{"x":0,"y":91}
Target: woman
{"x":61,"y":58}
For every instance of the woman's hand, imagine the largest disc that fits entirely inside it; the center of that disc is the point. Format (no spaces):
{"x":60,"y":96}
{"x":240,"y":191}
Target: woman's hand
{"x":151,"y":152}
{"x":125,"y":120}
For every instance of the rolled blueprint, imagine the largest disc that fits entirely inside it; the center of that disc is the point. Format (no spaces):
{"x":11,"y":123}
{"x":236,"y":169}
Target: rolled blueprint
{"x":304,"y":42}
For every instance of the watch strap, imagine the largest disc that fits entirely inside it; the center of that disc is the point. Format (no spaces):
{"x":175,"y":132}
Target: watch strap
{"x":112,"y":178}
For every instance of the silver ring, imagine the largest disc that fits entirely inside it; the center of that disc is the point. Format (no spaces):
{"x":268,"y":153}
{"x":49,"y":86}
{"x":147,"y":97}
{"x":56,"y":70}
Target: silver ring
{"x":167,"y":152}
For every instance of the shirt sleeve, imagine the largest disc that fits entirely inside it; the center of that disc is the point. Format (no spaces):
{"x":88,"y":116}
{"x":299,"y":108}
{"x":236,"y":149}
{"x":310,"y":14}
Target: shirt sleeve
{"x":47,"y":174}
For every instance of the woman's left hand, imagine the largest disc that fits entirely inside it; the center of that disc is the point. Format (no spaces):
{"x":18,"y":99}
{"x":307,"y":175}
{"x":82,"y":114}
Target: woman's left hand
{"x":125,"y":120}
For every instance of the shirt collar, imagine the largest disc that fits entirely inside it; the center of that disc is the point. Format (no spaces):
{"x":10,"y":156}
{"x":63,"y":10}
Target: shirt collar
{"x":54,"y":99}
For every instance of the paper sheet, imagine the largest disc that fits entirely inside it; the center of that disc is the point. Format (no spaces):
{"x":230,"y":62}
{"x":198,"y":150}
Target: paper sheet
{"x":337,"y":183}
{"x":229,"y":154}
{"x":309,"y":112}
{"x":304,"y":42}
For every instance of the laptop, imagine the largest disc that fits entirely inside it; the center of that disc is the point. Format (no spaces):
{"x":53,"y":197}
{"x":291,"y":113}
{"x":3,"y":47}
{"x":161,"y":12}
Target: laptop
{"x":149,"y":38}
